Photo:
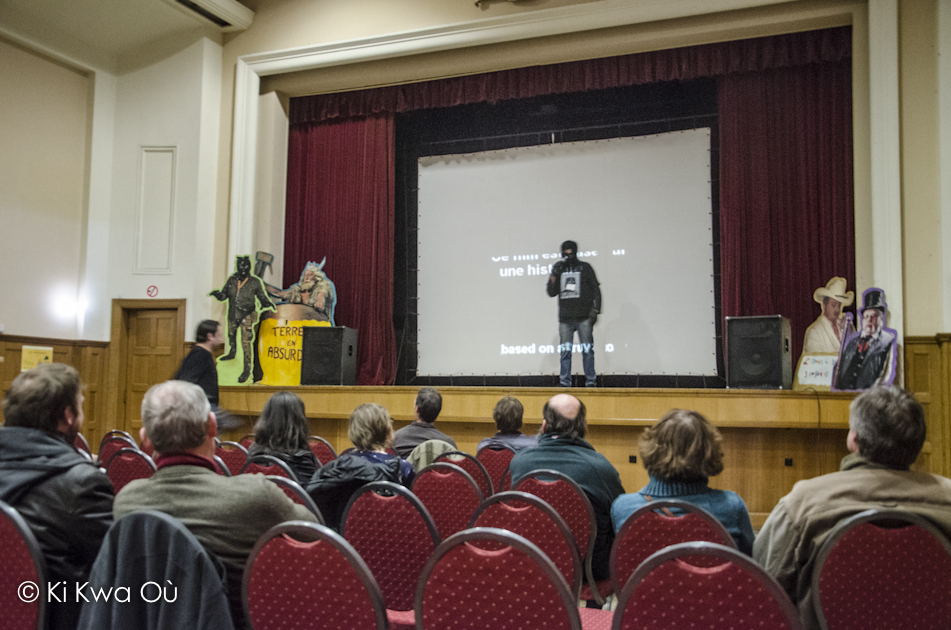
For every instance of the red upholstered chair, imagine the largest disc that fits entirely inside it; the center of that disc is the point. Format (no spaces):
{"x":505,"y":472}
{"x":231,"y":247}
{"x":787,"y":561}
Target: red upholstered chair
{"x":532,"y":518}
{"x":112,"y":444}
{"x":496,"y":462}
{"x":247,"y":441}
{"x":128,"y":464}
{"x":516,"y":587}
{"x":450,"y":494}
{"x":570,"y":501}
{"x":22,"y":562}
{"x":223,"y":469}
{"x":301,"y":575}
{"x":81,"y":444}
{"x":297,"y":494}
{"x":234,"y":456}
{"x":472,"y":466}
{"x":666,"y":592}
{"x":648,"y":530}
{"x":267,"y":465}
{"x":322,"y":449}
{"x":883,"y":569}
{"x":114,"y":433}
{"x":395,"y":535}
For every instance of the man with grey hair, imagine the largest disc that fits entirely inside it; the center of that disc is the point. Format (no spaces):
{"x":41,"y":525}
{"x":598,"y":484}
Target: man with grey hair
{"x":226,"y":514}
{"x":886,"y":433}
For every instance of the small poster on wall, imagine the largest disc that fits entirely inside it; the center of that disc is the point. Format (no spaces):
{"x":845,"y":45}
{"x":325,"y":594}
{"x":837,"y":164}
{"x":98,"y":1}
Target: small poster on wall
{"x":35,"y":355}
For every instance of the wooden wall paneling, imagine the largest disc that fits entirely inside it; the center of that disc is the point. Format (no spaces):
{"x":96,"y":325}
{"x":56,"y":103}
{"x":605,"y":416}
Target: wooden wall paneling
{"x":926,"y":376}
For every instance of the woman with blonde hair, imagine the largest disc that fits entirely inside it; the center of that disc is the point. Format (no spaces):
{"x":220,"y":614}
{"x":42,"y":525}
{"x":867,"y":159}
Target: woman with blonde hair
{"x":681,"y":452}
{"x":371,"y":431}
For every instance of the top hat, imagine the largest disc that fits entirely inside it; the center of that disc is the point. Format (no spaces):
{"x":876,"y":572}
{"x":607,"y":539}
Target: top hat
{"x":874,"y":298}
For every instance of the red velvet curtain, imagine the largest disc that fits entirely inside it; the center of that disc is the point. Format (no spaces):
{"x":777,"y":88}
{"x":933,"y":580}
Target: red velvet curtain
{"x":786,"y":193}
{"x":678,"y":64}
{"x":340,"y":204}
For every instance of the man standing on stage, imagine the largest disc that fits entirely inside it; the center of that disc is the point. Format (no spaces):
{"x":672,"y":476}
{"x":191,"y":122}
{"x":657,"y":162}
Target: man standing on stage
{"x":579,"y":303}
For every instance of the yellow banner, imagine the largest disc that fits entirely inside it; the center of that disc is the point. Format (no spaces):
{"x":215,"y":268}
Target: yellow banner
{"x":281,"y":342}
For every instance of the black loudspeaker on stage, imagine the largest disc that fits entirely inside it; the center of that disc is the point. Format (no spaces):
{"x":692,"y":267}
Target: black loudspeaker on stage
{"x":329,"y":356}
{"x":758,"y":352}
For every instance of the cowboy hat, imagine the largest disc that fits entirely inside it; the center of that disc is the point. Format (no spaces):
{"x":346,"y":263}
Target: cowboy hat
{"x":835,"y":289}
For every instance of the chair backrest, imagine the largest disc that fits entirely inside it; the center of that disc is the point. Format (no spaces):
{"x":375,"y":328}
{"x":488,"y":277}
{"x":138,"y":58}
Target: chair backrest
{"x":111,"y":445}
{"x":666,"y":592}
{"x":450,"y":494}
{"x":303,"y":575}
{"x":150,"y":546}
{"x":496,"y":461}
{"x":646,"y":532}
{"x":394,"y":534}
{"x":569,"y":500}
{"x":321,"y":449}
{"x":884,"y":569}
{"x":81,"y":444}
{"x":464,"y":586}
{"x":247,"y":441}
{"x":128,"y":464}
{"x":532,"y":518}
{"x":267,"y":465}
{"x":297,"y":494}
{"x":223,"y":469}
{"x":23,"y":578}
{"x":472,"y":466}
{"x":234,"y":456}
{"x":114,"y":433}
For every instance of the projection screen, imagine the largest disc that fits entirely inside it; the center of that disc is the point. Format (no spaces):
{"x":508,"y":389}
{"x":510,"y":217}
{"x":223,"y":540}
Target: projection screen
{"x":490,"y":226}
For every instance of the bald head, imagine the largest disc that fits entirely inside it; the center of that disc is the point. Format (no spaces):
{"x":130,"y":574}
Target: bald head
{"x":564,"y":415}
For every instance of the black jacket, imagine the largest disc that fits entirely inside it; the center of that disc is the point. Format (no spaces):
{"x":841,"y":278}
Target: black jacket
{"x":578,"y":303}
{"x":154,"y":547}
{"x":302,"y":463}
{"x":335,"y":483}
{"x":64,"y":498}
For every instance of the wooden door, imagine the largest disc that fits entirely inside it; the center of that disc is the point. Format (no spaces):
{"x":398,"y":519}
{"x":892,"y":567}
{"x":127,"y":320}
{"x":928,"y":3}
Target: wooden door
{"x":146,"y":346}
{"x":150,"y":358}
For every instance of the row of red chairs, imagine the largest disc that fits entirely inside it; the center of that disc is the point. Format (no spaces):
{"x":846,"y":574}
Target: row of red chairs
{"x":495,"y":576}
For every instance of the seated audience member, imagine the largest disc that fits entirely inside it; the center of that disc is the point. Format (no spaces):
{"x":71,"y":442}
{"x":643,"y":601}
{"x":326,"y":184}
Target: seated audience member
{"x":282,"y":431}
{"x":371,"y":431}
{"x":428,"y":406}
{"x":508,"y":420}
{"x":226,"y":514}
{"x":886,"y":433}
{"x":562,"y":448}
{"x":680,"y":453}
{"x":64,"y":498}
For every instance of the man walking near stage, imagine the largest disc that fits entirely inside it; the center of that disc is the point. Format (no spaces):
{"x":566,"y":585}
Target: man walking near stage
{"x":579,"y":303}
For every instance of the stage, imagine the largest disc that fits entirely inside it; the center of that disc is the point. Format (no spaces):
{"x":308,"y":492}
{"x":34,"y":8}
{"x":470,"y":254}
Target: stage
{"x":771,"y":438}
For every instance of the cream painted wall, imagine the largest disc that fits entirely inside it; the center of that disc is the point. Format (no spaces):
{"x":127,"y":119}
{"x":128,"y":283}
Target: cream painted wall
{"x":170,"y":103}
{"x":44,"y":108}
{"x":921,"y":212}
{"x":271,"y":185}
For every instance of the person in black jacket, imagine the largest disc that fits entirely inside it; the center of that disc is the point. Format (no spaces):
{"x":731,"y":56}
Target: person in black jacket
{"x":371,"y":431}
{"x":64,"y":498}
{"x":579,"y":303}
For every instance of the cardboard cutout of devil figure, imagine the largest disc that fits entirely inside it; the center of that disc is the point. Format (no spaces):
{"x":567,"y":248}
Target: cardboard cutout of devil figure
{"x":246,"y":296}
{"x":869,"y":356}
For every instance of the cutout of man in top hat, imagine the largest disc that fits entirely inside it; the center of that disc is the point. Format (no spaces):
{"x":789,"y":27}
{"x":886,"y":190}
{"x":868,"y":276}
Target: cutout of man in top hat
{"x":869,"y":356}
{"x":825,"y":334}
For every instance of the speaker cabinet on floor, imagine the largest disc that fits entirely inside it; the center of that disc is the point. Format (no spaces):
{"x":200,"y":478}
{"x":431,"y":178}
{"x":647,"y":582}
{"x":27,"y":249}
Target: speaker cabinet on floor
{"x":758,"y":352}
{"x":329,"y":356}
